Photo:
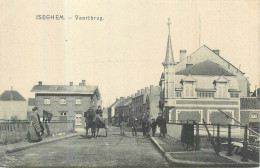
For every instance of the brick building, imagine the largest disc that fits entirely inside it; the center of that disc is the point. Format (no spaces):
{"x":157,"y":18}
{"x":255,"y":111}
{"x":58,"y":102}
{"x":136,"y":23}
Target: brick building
{"x":111,"y":110}
{"x":200,"y":84}
{"x":67,"y":102}
{"x":125,"y":106}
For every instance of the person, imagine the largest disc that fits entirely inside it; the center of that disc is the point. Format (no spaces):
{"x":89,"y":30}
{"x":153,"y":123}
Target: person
{"x":36,"y":128}
{"x":144,"y":125}
{"x":99,"y":112}
{"x":47,"y":116}
{"x":159,"y":122}
{"x":89,"y":119}
{"x":134,"y":127}
{"x":153,"y":127}
{"x":163,"y":128}
{"x":122,"y":124}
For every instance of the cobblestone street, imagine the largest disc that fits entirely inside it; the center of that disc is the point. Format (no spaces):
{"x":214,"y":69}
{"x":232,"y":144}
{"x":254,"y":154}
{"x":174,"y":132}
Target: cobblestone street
{"x":113,"y":150}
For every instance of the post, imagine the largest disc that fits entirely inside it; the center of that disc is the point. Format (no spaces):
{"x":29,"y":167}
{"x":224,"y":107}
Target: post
{"x":197,"y":138}
{"x":244,"y":149}
{"x":229,"y":152}
{"x":218,"y":139}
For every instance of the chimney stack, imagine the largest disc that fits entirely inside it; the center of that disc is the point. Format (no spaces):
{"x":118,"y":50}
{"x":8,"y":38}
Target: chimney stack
{"x":132,"y":95}
{"x":216,"y":52}
{"x":182,"y":55}
{"x":80,"y":84}
{"x":146,"y":89}
{"x":138,"y":92}
{"x":83,"y":82}
{"x":71,"y":83}
{"x":142,"y":91}
{"x":40,"y":83}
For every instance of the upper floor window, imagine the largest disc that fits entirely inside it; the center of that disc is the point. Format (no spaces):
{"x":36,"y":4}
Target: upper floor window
{"x":63,"y":101}
{"x":222,"y":90}
{"x":189,"y":86}
{"x":78,"y":101}
{"x":178,"y":93}
{"x":47,"y":101}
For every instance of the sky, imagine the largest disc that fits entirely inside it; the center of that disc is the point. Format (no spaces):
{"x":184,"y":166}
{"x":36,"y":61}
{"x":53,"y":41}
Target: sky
{"x":124,"y":52}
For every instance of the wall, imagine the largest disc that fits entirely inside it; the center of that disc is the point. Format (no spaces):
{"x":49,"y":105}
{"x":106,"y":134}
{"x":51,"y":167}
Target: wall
{"x":174,"y":131}
{"x":13,"y":108}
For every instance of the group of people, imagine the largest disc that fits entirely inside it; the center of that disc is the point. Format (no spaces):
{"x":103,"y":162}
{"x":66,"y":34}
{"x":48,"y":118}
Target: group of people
{"x":147,"y":125}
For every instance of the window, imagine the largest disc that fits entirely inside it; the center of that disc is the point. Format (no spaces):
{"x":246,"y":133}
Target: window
{"x":254,"y":115}
{"x":189,"y":90}
{"x":205,"y":94}
{"x":178,"y":94}
{"x":221,"y":91}
{"x":78,"y":101}
{"x":63,"y":116}
{"x":63,"y":113}
{"x":234,"y":95}
{"x":47,"y":101}
{"x":63,"y":101}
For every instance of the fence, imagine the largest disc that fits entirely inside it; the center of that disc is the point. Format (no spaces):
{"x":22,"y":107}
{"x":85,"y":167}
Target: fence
{"x":14,"y":131}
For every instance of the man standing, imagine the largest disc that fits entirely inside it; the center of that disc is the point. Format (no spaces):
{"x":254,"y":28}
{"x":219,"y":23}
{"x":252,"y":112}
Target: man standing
{"x":153,"y":127}
{"x":134,"y":127}
{"x":122,"y":124}
{"x":159,"y":121}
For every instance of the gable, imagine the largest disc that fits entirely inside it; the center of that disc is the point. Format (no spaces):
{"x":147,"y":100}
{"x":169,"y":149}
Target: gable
{"x":204,"y":53}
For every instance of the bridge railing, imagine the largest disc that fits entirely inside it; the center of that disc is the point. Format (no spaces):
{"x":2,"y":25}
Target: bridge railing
{"x":14,"y":131}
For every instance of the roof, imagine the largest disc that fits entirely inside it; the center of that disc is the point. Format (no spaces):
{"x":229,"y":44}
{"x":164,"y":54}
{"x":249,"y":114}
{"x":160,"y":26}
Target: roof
{"x":207,"y":82}
{"x":65,"y":89}
{"x":169,"y":54}
{"x":205,"y":68}
{"x":31,"y":102}
{"x":124,"y":102}
{"x":249,"y":103}
{"x":11,"y":95}
{"x":116,"y":102}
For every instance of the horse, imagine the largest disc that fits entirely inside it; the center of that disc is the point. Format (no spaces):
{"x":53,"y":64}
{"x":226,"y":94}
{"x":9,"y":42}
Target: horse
{"x":90,"y":119}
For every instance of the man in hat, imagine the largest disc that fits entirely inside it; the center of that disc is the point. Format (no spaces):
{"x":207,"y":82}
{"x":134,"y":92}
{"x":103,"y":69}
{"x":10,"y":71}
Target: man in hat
{"x":153,"y":127}
{"x":159,"y":121}
{"x":134,"y":127}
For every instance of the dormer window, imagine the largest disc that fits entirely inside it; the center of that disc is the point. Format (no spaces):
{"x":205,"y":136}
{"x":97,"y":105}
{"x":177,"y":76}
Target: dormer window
{"x":189,"y":86}
{"x":221,"y":85}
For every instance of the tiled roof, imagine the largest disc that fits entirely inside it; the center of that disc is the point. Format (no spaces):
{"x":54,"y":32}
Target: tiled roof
{"x":124,"y":102}
{"x":249,"y":103}
{"x":205,"y":68}
{"x":31,"y":102}
{"x":64,"y":89}
{"x":11,"y":96}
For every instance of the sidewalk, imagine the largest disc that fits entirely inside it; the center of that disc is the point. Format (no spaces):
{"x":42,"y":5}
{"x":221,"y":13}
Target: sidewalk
{"x":179,"y":156}
{"x":10,"y":148}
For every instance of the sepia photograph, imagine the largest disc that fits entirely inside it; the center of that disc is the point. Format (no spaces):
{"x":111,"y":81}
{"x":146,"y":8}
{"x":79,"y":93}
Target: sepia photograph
{"x":134,"y":83}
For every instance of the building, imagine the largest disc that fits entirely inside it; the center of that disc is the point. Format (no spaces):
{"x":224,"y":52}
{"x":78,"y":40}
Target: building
{"x":67,"y":102}
{"x":12,"y":106}
{"x":111,"y":110}
{"x":199,"y":85}
{"x":250,"y":112}
{"x":123,"y":107}
{"x":146,"y":101}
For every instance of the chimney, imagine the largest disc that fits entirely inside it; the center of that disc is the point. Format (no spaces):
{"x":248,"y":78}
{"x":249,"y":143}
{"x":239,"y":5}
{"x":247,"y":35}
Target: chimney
{"x":138,"y":92}
{"x":142,"y":91}
{"x":132,"y":95}
{"x":182,"y":55}
{"x":80,"y":84}
{"x":188,"y":64}
{"x":146,"y":89}
{"x":216,"y":52}
{"x":71,"y":83}
{"x":83,"y":82}
{"x":40,"y":83}
{"x":116,"y":99}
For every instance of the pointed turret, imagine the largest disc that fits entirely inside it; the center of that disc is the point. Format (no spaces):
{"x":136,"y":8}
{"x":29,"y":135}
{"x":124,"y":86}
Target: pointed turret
{"x":169,"y":59}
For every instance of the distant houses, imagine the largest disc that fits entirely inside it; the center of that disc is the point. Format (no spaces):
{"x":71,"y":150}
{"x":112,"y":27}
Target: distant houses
{"x":13,"y":106}
{"x":143,"y":102}
{"x":66,"y":102}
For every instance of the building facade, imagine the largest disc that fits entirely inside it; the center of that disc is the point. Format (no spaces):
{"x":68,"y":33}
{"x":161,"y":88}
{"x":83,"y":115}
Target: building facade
{"x":199,"y":85}
{"x":12,"y":106}
{"x":67,"y":102}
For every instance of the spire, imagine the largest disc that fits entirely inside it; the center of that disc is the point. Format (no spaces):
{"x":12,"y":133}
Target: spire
{"x":169,"y":53}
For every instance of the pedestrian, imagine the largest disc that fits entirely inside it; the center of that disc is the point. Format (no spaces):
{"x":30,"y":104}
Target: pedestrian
{"x":163,"y":127}
{"x":122,"y":124}
{"x":144,"y":125}
{"x":153,"y":127}
{"x":36,"y":128}
{"x":134,"y":127}
{"x":159,"y":122}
